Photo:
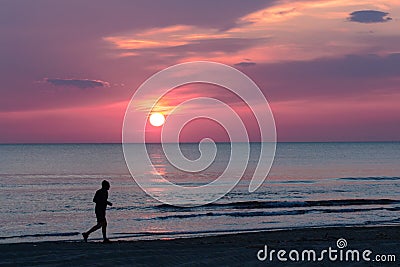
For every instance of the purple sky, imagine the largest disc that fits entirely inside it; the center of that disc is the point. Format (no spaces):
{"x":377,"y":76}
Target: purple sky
{"x":330,"y":69}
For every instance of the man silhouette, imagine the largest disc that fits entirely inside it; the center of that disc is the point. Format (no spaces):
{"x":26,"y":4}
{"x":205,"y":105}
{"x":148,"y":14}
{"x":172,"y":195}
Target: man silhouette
{"x":100,"y":198}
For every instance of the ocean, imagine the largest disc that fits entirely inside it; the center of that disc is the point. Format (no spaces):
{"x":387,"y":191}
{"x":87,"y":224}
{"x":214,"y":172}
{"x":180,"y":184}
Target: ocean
{"x":47,"y":190}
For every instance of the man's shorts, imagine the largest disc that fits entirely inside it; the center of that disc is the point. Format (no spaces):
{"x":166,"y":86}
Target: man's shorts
{"x":101,"y":216}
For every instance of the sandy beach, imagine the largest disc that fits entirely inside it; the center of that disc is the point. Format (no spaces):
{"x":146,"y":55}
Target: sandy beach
{"x":223,"y":250}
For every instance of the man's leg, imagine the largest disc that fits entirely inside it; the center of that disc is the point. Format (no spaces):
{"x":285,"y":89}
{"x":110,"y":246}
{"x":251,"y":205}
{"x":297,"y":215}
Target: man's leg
{"x":104,"y":229}
{"x":94,"y":228}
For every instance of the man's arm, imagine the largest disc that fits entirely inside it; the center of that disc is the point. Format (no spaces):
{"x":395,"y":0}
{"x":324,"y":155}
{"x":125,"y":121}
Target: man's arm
{"x":109,"y":203}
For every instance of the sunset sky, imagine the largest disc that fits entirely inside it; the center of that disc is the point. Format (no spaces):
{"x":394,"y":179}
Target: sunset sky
{"x":330,"y":69}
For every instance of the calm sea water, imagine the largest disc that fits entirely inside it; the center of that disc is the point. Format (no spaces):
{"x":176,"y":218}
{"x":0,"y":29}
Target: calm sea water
{"x":47,"y":191}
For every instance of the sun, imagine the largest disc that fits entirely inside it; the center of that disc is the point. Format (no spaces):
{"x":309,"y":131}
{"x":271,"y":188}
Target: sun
{"x":157,"y":119}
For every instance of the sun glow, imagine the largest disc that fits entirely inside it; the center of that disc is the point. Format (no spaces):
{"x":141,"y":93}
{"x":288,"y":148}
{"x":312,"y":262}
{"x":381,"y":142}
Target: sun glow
{"x":157,"y":119}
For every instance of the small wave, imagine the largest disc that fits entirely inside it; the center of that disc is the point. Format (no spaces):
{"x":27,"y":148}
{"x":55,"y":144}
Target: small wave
{"x":293,"y":182}
{"x":370,"y":178}
{"x":266,"y":213}
{"x":176,"y":233}
{"x":40,"y":235}
{"x":290,"y":204}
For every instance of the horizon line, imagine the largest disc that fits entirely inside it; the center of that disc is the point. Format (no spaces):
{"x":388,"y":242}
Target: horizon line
{"x":120,"y":143}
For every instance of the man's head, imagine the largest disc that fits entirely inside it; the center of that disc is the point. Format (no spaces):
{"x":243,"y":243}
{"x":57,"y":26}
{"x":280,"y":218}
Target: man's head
{"x":105,"y":185}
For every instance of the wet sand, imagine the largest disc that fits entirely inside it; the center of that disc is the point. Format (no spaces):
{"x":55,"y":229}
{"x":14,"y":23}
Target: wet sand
{"x":223,"y":250}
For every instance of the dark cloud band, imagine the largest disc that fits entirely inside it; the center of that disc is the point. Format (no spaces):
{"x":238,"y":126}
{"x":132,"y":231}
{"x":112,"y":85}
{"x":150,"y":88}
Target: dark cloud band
{"x":80,"y":83}
{"x":245,"y":64}
{"x":369,"y":16}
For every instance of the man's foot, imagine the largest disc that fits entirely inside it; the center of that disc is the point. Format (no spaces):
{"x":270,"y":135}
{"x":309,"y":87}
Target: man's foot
{"x":85,"y":236}
{"x":106,"y":240}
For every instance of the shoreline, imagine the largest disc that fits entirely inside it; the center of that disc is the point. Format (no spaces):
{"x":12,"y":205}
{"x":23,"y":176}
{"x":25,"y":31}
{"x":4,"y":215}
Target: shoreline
{"x":226,"y":249}
{"x":153,"y":236}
